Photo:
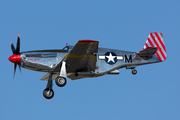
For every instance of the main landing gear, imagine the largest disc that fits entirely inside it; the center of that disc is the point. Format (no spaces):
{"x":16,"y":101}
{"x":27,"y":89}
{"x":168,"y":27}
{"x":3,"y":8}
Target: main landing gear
{"x":60,"y":81}
{"x":48,"y":93}
{"x":134,"y":72}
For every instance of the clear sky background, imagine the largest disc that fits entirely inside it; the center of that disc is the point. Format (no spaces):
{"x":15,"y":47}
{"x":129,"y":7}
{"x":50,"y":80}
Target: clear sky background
{"x":152,"y":94}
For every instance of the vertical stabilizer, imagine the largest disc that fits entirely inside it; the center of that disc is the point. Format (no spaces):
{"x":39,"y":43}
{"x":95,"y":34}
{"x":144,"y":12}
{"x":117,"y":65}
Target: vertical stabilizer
{"x":156,"y":40}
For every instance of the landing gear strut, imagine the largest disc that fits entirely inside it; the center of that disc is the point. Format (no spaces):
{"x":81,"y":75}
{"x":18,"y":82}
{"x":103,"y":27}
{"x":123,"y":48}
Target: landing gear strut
{"x":61,"y":79}
{"x":48,"y":93}
{"x":134,"y":72}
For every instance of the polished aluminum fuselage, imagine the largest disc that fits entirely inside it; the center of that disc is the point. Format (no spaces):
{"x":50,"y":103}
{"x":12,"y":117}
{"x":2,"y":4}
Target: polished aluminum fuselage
{"x":43,"y":61}
{"x":47,"y":60}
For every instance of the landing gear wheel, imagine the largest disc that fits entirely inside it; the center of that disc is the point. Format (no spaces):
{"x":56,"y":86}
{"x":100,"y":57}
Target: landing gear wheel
{"x":48,"y":93}
{"x":60,"y":81}
{"x":134,"y":72}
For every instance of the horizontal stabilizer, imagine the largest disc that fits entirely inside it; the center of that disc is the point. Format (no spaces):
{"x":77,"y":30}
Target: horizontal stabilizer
{"x":146,"y":53}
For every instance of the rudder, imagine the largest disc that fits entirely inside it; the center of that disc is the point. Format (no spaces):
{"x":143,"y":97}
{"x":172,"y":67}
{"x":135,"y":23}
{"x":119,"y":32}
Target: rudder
{"x":156,"y":40}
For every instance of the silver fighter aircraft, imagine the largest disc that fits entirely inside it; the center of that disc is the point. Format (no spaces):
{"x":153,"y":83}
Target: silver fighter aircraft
{"x":86,"y":60}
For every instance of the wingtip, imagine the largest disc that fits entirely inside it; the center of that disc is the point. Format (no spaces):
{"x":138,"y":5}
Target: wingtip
{"x":87,"y":41}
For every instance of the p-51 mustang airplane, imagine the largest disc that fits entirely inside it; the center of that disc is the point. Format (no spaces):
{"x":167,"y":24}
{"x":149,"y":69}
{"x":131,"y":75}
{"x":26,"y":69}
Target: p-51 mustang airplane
{"x":86,"y":60}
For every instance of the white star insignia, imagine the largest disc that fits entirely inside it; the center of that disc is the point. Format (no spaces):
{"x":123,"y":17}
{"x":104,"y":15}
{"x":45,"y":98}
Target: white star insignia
{"x":111,"y":58}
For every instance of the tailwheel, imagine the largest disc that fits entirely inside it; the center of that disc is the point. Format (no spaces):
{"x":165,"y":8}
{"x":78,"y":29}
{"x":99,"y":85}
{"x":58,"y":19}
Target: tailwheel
{"x":134,"y":72}
{"x":48,"y":93}
{"x":60,"y":81}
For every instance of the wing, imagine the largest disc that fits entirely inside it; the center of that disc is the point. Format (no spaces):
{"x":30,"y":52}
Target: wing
{"x":81,"y":57}
{"x":46,"y":77}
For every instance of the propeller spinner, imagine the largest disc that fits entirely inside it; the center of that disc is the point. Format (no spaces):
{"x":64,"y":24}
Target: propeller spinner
{"x":16,"y":57}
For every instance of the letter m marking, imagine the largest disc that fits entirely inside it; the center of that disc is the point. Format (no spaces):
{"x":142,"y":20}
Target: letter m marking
{"x":128,"y":59}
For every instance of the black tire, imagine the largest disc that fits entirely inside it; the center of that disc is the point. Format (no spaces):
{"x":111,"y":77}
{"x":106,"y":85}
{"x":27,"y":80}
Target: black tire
{"x":134,"y":72}
{"x":60,"y":81}
{"x":48,"y":93}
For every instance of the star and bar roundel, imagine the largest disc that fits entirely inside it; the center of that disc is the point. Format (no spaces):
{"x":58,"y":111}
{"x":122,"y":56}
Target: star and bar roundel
{"x":110,"y":58}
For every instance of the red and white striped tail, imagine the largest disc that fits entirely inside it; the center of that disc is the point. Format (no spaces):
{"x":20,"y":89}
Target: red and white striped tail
{"x":156,"y":40}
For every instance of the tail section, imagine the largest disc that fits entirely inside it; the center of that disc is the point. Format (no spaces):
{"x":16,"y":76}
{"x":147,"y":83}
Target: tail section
{"x":156,"y":40}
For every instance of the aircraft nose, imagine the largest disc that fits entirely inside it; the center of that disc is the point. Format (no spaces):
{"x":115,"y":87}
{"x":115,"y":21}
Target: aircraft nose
{"x":15,"y":59}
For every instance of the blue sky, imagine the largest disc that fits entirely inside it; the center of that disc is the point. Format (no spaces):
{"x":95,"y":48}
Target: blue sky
{"x":154,"y":93}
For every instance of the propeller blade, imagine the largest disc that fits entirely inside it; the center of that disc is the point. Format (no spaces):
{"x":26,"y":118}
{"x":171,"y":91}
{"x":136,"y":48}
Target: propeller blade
{"x":15,"y":65}
{"x":19,"y":68}
{"x":18,"y":46}
{"x":13,"y":49}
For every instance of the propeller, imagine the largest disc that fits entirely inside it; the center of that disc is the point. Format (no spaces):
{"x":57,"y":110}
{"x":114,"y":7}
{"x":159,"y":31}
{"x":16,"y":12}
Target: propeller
{"x":16,"y":57}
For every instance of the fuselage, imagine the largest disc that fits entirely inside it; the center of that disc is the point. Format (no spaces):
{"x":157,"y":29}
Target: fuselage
{"x":107,"y":60}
